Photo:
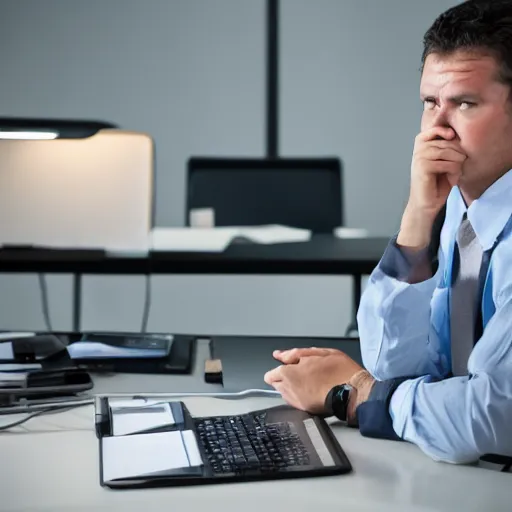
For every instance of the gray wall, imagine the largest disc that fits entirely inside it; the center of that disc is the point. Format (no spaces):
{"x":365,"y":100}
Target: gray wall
{"x":350,"y":87}
{"x":191,"y":73}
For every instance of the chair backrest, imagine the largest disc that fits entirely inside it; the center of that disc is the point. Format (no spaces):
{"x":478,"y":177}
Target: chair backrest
{"x":95,"y":192}
{"x":304,"y":193}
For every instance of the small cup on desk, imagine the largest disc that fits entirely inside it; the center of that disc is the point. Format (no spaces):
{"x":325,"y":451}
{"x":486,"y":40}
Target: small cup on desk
{"x":202,"y":218}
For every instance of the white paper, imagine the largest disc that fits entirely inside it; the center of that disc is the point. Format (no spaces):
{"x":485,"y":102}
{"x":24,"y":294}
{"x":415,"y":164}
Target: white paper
{"x":94,"y":349}
{"x":6,"y":351}
{"x":190,"y":239}
{"x":143,"y":454}
{"x":19,"y":367}
{"x":217,"y":239}
{"x":190,"y":441}
{"x":132,"y":418}
{"x":116,"y":403}
{"x":128,"y":253}
{"x":14,"y":335}
{"x":13,"y":376}
{"x":12,"y":379}
{"x":274,"y":234}
{"x":343,"y":232}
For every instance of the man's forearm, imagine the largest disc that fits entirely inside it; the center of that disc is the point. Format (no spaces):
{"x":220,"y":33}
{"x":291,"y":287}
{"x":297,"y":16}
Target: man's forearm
{"x":415,"y":230}
{"x":413,"y":241}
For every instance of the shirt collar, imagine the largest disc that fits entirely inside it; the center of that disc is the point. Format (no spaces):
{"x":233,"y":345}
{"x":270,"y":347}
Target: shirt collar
{"x":488,"y":214}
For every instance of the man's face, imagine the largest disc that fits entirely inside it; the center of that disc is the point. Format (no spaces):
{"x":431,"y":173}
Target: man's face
{"x":462,"y":91}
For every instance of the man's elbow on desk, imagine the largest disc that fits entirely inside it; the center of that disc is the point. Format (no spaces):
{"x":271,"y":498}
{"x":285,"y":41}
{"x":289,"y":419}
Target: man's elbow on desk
{"x":375,"y":421}
{"x":454,"y":421}
{"x":451,"y":456}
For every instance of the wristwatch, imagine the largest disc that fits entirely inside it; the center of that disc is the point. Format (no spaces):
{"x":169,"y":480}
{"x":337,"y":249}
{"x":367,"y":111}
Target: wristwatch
{"x":336,"y":403}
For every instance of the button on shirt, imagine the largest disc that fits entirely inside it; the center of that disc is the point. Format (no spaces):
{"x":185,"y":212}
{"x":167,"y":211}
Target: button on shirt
{"x":406,"y":343}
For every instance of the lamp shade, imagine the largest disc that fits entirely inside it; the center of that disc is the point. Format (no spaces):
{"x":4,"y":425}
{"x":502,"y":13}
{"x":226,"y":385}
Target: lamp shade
{"x":48,"y":129}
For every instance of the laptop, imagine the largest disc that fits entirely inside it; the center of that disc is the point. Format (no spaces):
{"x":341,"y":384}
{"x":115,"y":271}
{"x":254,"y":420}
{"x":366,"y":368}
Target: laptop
{"x":151,"y":443}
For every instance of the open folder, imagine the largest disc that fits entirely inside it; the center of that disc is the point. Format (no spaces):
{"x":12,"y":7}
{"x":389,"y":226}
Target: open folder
{"x":149,"y":455}
{"x":148,"y":442}
{"x":145,"y":440}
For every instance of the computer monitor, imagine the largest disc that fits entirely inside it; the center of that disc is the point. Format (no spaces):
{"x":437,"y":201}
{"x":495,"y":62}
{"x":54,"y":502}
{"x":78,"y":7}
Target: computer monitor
{"x":95,"y":192}
{"x":298,"y":192}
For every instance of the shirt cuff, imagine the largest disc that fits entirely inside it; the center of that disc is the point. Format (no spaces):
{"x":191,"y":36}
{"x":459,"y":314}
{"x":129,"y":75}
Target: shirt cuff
{"x":398,"y":263}
{"x":373,"y":415}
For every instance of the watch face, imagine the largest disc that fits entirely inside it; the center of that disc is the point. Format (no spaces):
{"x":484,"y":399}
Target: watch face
{"x":342,"y":394}
{"x":340,"y":401}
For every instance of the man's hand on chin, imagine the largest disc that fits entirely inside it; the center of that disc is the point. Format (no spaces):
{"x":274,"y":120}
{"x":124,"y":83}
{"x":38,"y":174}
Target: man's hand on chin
{"x":307,"y":375}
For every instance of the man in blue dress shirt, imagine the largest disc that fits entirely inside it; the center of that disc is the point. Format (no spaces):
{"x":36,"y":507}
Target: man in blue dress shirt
{"x":435,"y":321}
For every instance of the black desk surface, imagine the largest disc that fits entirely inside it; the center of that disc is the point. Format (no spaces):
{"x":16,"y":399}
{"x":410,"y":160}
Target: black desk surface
{"x":321,"y":255}
{"x":246,"y":359}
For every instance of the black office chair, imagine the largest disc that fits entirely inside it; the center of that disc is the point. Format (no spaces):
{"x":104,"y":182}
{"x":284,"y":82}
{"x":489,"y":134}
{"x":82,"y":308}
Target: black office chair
{"x":299,"y":192}
{"x":304,"y":193}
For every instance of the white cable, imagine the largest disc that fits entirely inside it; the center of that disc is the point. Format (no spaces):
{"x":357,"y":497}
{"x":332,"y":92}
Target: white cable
{"x":28,"y":407}
{"x":215,"y":394}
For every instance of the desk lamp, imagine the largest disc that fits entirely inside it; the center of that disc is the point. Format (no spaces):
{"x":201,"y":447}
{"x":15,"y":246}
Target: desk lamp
{"x":19,"y":128}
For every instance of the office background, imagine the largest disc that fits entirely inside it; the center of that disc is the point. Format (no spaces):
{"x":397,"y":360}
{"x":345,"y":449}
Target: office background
{"x":192,"y":74}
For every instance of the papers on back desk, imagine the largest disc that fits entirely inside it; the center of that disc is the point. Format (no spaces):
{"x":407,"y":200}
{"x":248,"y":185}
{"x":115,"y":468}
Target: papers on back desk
{"x":217,"y":239}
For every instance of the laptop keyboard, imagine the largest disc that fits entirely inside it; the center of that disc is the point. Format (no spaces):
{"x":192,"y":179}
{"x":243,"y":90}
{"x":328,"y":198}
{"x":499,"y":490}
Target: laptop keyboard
{"x":241,"y":443}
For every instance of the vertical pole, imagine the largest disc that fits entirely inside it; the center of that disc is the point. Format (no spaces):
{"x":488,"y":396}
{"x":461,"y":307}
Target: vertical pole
{"x":272,"y":78}
{"x":77,"y":301}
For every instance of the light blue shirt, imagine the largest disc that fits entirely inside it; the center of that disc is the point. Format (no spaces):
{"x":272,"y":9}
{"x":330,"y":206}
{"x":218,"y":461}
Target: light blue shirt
{"x":405,"y":331}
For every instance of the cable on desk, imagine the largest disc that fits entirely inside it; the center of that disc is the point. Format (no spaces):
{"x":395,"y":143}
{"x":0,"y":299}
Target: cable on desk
{"x":43,"y":288}
{"x":147,"y":305}
{"x":27,"y":406}
{"x":39,"y":413}
{"x":55,"y":404}
{"x":221,"y":395}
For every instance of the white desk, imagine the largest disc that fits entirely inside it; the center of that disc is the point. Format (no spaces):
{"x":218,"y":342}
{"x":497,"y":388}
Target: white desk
{"x":51,"y":464}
